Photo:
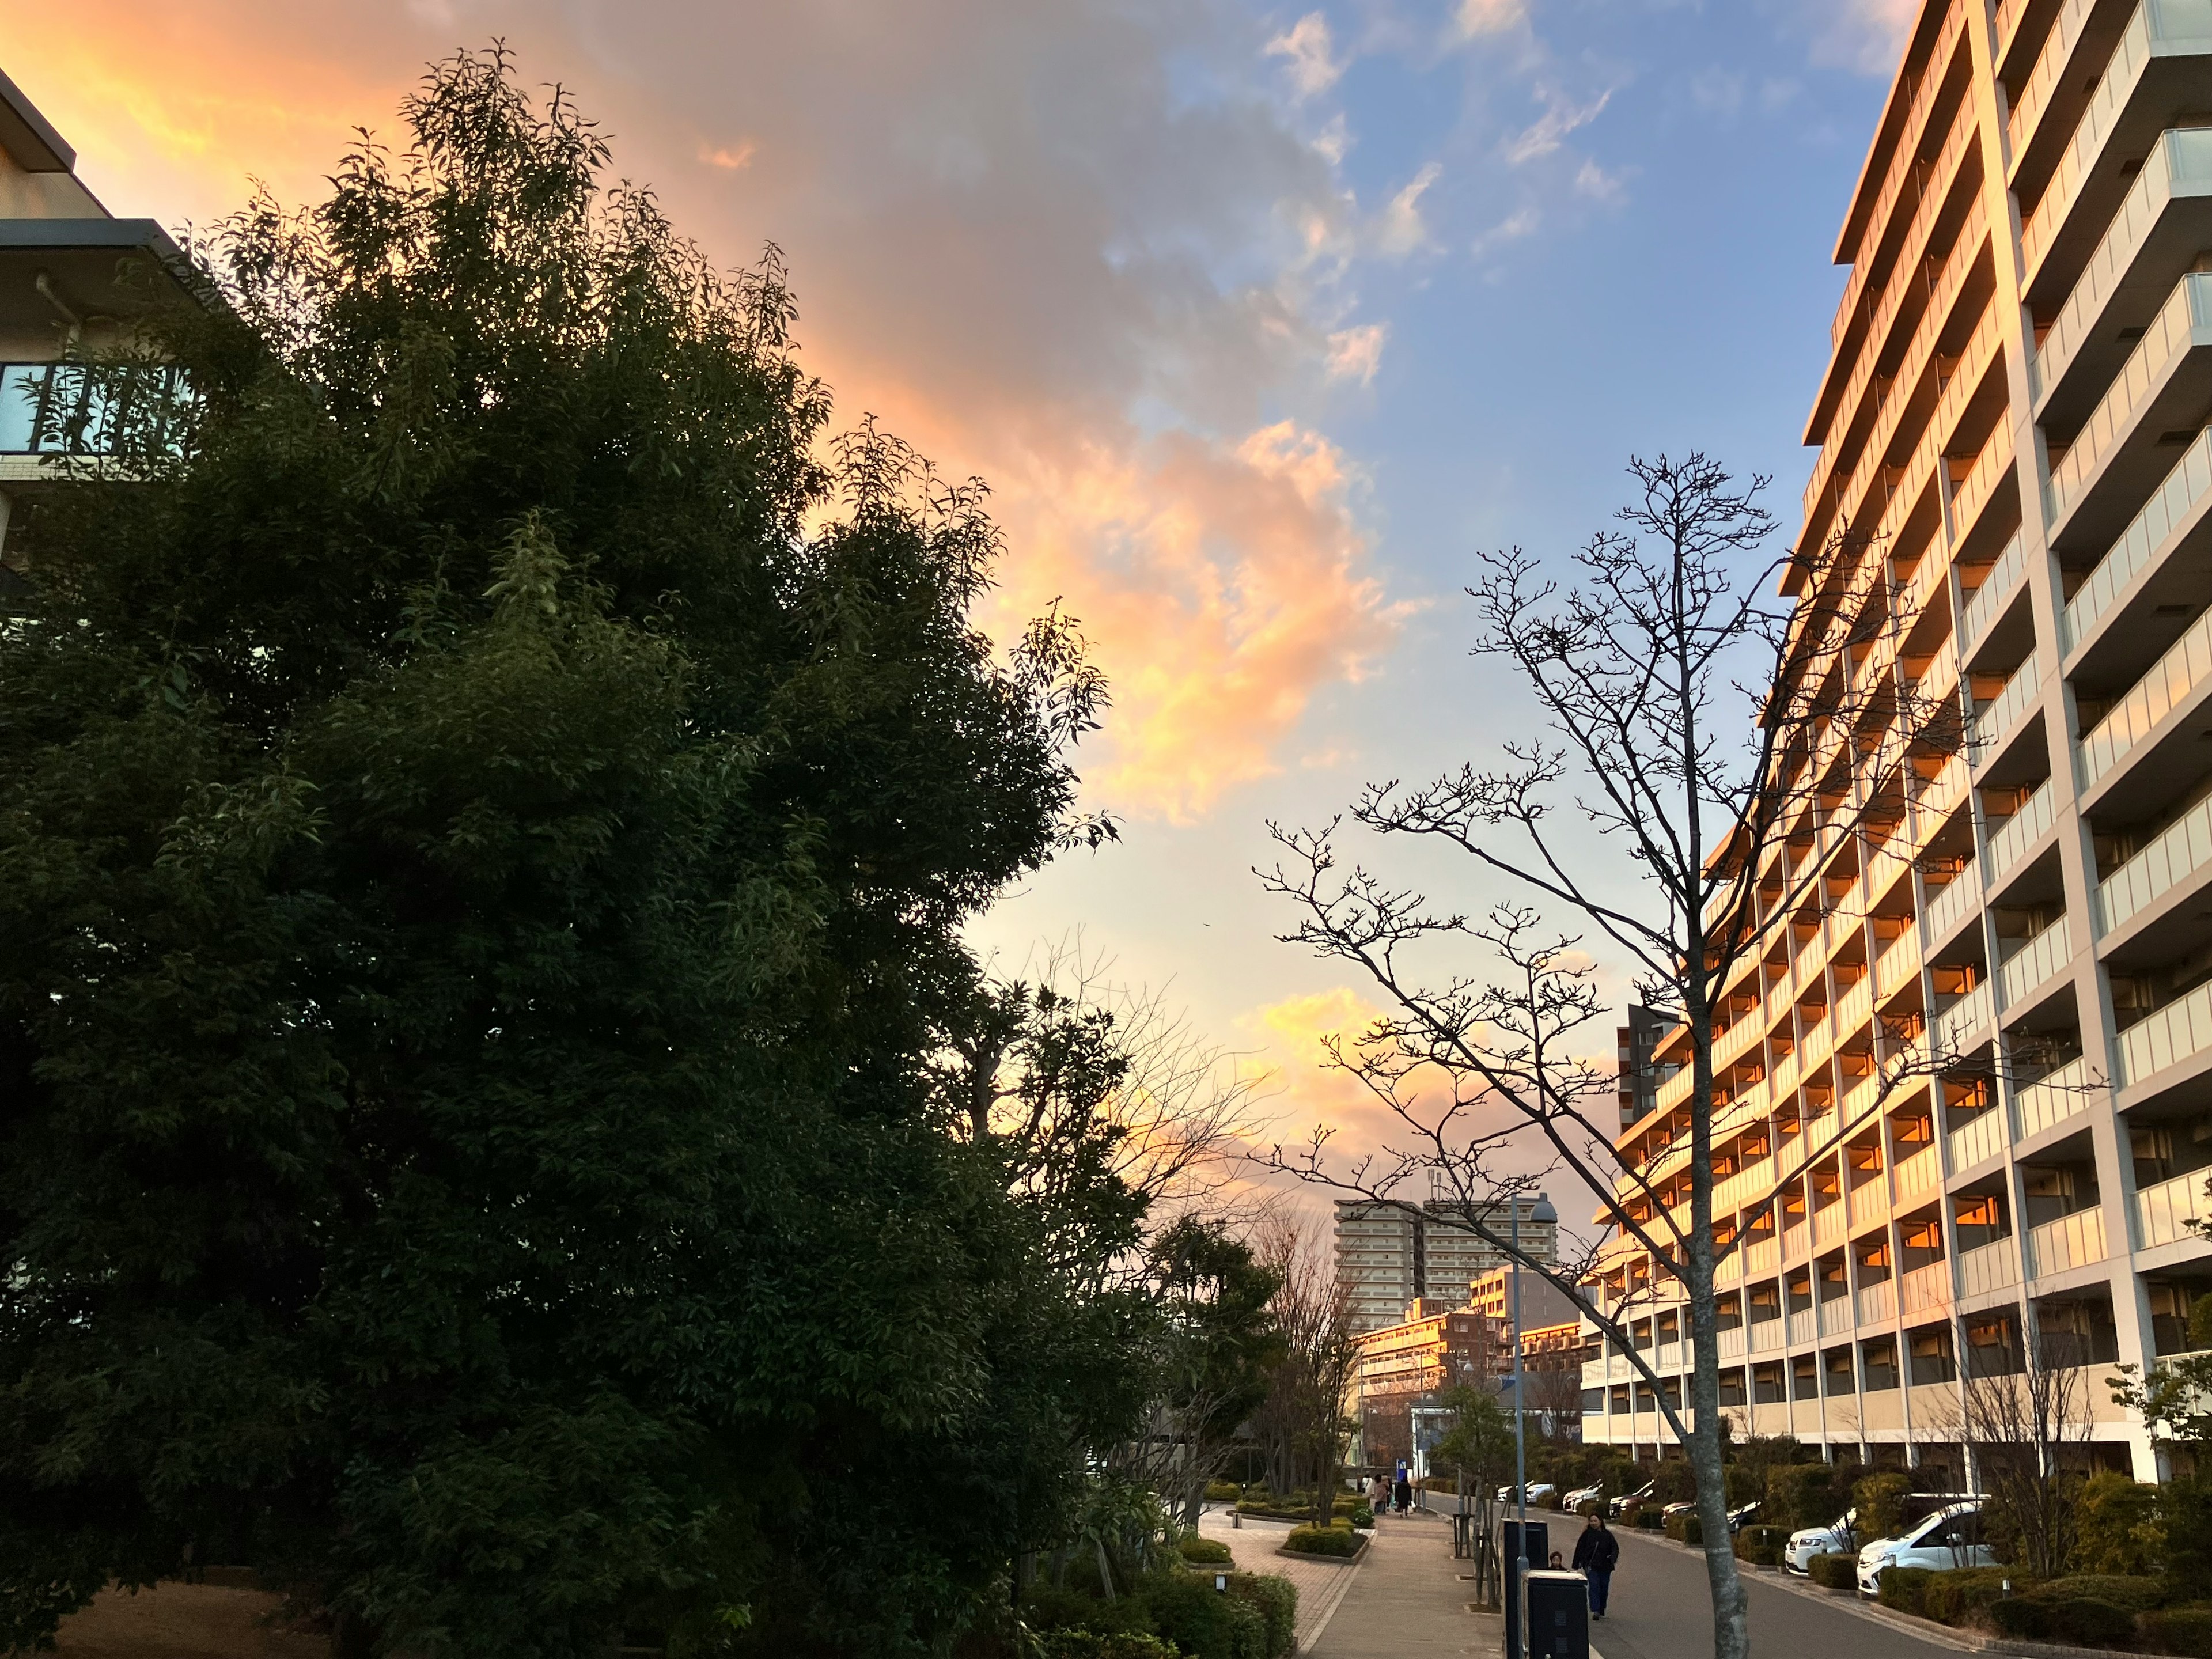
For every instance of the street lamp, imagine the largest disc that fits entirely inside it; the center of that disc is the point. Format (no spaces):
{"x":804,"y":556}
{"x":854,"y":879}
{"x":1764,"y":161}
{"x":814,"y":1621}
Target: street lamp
{"x":1539,"y":1211}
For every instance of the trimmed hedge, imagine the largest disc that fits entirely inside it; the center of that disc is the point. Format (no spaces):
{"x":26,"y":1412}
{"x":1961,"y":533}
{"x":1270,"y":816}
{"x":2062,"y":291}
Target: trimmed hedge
{"x":1323,"y":1540}
{"x":1210,"y":1551}
{"x":1222,"y":1492}
{"x":1761,"y":1545}
{"x":1087,"y":1644}
{"x":1837,"y":1571}
{"x":1276,"y":1599}
{"x":1686,"y":1529}
{"x":2184,"y":1630}
{"x":1902,"y":1588}
{"x":1649,"y":1518}
{"x":1955,"y":1598}
{"x":2082,"y":1621}
{"x":1190,"y":1614}
{"x":1362,"y":1518}
{"x":2136,"y":1594}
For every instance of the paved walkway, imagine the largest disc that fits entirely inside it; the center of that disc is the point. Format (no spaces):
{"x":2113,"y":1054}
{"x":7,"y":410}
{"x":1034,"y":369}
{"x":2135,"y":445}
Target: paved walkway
{"x":1320,"y":1582}
{"x":1408,"y":1601}
{"x":1661,"y":1609}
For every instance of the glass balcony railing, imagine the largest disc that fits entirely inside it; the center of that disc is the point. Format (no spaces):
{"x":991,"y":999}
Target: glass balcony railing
{"x":1996,"y":587}
{"x":2179,"y":164}
{"x":2172,"y":506}
{"x":1981,"y":1136}
{"x":2177,"y":1032}
{"x":2049,"y":68}
{"x":1877,"y":1303}
{"x":1925,"y":1287}
{"x":2022,"y":830}
{"x":2185,"y":321}
{"x":1951,"y":905}
{"x":1956,"y":1025}
{"x":1994,"y":1267}
{"x":2172,"y":679}
{"x":2180,"y":850}
{"x":2163,"y":1212}
{"x":1994,"y":721}
{"x":2051,"y":1100}
{"x":2033,"y":962}
{"x":1919,"y":1173}
{"x":2072,"y":1241}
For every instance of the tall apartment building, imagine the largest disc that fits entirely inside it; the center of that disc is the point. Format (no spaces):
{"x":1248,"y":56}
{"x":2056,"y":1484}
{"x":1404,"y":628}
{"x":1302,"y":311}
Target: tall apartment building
{"x":73,"y":278}
{"x":1391,"y":1255}
{"x":2014,"y":422}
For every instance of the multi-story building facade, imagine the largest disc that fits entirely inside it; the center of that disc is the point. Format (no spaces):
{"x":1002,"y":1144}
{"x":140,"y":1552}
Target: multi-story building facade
{"x":74,"y":280}
{"x":2013,"y":429}
{"x":1389,"y":1255}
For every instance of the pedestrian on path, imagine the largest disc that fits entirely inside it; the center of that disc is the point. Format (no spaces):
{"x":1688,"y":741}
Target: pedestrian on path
{"x":1597,"y":1552}
{"x":1404,"y":1493}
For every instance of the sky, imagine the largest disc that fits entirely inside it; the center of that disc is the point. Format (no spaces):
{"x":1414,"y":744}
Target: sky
{"x":1260,"y":321}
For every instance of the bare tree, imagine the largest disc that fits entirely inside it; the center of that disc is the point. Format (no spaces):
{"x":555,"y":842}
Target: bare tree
{"x":2024,"y":1412}
{"x":1695,"y":723}
{"x":1304,"y":1415}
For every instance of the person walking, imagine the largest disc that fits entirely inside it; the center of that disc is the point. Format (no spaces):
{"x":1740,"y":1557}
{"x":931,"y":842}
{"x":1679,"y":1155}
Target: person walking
{"x":1405,"y":1492}
{"x":1597,"y":1552}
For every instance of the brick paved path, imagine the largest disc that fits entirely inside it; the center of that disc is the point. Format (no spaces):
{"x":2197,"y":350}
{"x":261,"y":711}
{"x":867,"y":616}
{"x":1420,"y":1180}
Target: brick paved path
{"x":1404,"y":1598}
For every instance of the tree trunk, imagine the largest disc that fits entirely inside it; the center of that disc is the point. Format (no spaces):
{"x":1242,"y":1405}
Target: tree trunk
{"x":1731,"y":1629}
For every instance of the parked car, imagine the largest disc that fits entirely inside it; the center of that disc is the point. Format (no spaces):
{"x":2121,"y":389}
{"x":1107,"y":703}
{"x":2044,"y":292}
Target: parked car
{"x":1538,"y":1491}
{"x":1949,"y":1539}
{"x":1741,"y":1515}
{"x":1573,"y":1501}
{"x":1839,"y":1537}
{"x":1629,"y":1500}
{"x":1687,"y":1506}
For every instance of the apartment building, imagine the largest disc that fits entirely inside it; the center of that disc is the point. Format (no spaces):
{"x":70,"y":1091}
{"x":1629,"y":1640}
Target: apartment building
{"x":74,"y":279}
{"x":1389,"y":1255}
{"x":2013,"y":425}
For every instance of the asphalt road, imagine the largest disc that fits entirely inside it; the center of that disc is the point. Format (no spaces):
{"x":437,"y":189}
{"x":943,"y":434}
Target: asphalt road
{"x":1661,"y":1609}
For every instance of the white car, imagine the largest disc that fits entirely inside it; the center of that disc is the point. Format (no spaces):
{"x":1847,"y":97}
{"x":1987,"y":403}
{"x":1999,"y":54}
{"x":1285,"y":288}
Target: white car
{"x":1621,"y":1504}
{"x":1574,"y":1500}
{"x":1839,"y":1537}
{"x":1950,"y":1538}
{"x":1538,"y":1491}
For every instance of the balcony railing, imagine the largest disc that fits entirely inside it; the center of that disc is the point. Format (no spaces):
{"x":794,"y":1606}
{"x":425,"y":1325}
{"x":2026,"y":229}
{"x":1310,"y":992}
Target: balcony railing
{"x":1995,"y":721}
{"x":77,"y":408}
{"x":1804,"y":1327}
{"x":2022,"y":830}
{"x":1731,"y":1342}
{"x":1827,"y":1226}
{"x":2172,"y":506}
{"x":1994,"y":1267}
{"x":1996,"y":587}
{"x":1762,"y":1255}
{"x":1898,"y":963}
{"x":1922,"y":1172}
{"x":2179,"y":1031}
{"x":1959,"y":897}
{"x":2033,"y":962}
{"x":1926,"y":1287}
{"x":2163,"y":1212}
{"x":2049,"y":69}
{"x":2185,"y":321}
{"x":1973,"y":492}
{"x":2178,"y":852}
{"x":2072,"y":1241}
{"x":2180,"y":164}
{"x":1956,"y":1025}
{"x":1766,"y":1335}
{"x":1877,"y":1303}
{"x":1854,"y":1006}
{"x":2053,"y":1099}
{"x":1981,"y":1136}
{"x":2171,"y":681}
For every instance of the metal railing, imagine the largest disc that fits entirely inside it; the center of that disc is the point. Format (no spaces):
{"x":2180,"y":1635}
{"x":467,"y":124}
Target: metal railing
{"x":2187,"y":313}
{"x":2172,"y":508}
{"x":2169,"y":681}
{"x":2037,"y":814}
{"x":2044,"y":955}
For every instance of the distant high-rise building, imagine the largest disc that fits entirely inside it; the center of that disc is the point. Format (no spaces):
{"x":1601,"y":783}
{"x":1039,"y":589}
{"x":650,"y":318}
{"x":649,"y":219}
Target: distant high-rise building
{"x":1639,"y":1070}
{"x":1389,"y":1255}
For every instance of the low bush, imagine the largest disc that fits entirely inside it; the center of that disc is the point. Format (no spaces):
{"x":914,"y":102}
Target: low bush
{"x":1222,"y":1492}
{"x":1276,"y":1599}
{"x":1210,"y":1551}
{"x":1049,"y":1607}
{"x":1761,"y":1545}
{"x":1834,"y":1572}
{"x":2132,"y":1591}
{"x":1649,"y":1518}
{"x":2121,"y":1531}
{"x":2084,"y":1621}
{"x":1363,"y":1518}
{"x":1201,"y":1621}
{"x":2016,"y":1616}
{"x":1902,"y":1588}
{"x":1686,"y":1529}
{"x":1090,"y":1645}
{"x":1323,"y":1540}
{"x":2184,"y":1630}
{"x":1955,"y":1598}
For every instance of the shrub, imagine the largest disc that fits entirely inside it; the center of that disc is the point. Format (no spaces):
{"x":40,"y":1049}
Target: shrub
{"x":1222,"y":1492}
{"x":1323,"y":1540}
{"x":1363,"y":1518}
{"x":2121,"y":1529}
{"x":1761,"y":1545}
{"x":1954,"y":1598}
{"x":1837,"y":1571}
{"x":1276,"y":1599}
{"x":1686,"y":1529}
{"x":2134,"y":1593}
{"x":2187,"y":1507}
{"x":1902,"y":1588}
{"x":2016,"y":1616}
{"x":1201,"y":1621}
{"x":1649,"y":1517}
{"x":1210,"y":1551}
{"x":1090,"y":1644}
{"x":2085,"y":1622}
{"x":2184,"y":1630}
{"x":1048,"y":1607}
{"x":1881,"y":1501}
{"x":1806,"y":1494}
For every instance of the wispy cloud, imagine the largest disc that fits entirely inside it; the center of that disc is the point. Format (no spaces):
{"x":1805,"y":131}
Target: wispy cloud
{"x":1401,"y":230}
{"x":1354,"y":353}
{"x":1560,"y":118}
{"x":1312,"y":64}
{"x":1475,"y":18}
{"x":728,"y":157}
{"x":1517,"y":226}
{"x":1866,"y":35}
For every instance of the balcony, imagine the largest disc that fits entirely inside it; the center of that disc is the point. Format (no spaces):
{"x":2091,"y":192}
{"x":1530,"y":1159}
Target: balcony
{"x":1804,"y":1327}
{"x":2163,"y":1212}
{"x":1999,"y":586}
{"x":2182,"y":849}
{"x":2160,"y":224}
{"x":1854,"y":1006}
{"x":1959,"y":898}
{"x":1925,"y":1287}
{"x":2025,"y":969}
{"x":2022,"y":830}
{"x":1956,"y":1026}
{"x":1992,"y":469}
{"x":1898,"y":964}
{"x":2170,"y":513}
{"x":70,"y":409}
{"x":1996,"y":720}
{"x":1876,"y":1305}
{"x":1923,"y":1172}
{"x":2052,"y":1100}
{"x":2051,"y":72}
{"x":2156,"y":69}
{"x":2072,"y":1241}
{"x":2173,"y":680}
{"x":2176,"y":1033}
{"x":2116,"y":457}
{"x":1981,"y":1136}
{"x":1731,"y":1343}
{"x":1828,"y":1226}
{"x":1994,"y":1267}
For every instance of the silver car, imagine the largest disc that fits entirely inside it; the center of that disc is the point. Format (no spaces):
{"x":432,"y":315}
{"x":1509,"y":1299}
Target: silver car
{"x":1947,"y":1540}
{"x":1839,"y":1537}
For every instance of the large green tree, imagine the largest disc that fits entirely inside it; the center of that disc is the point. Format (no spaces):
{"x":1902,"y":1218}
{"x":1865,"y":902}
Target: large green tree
{"x":489,"y":796}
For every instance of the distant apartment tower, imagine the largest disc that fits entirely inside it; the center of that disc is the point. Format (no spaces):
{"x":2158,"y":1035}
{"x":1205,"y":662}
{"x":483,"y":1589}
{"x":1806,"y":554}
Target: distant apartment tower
{"x":1638,"y":1069}
{"x":2013,"y":453}
{"x":1389,"y":1255}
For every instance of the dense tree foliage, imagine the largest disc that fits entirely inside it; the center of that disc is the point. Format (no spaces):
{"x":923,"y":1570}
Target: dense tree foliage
{"x":488,"y":799}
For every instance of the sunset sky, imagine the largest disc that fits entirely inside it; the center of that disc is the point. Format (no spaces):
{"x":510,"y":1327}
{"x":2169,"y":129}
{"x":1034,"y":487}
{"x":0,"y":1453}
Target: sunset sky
{"x":1259,"y":321}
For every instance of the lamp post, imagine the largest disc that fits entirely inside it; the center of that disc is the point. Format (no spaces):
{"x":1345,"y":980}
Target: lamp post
{"x":1539,"y":1211}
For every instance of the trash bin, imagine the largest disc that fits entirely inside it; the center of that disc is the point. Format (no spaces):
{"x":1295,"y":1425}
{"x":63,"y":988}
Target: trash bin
{"x":1559,"y":1615}
{"x":1509,"y":1554}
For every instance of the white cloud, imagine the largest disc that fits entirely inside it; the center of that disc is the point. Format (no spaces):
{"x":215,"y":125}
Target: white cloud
{"x":1354,"y":353}
{"x":1402,"y":230}
{"x":1313,"y":67}
{"x":1334,"y":141}
{"x":1479,"y":17}
{"x":1595,"y":182}
{"x":1866,"y":35}
{"x":1520,"y":224}
{"x":1550,"y":129}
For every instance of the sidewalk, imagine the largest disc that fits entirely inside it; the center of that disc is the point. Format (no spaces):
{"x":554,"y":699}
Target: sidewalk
{"x":1409,"y":1600}
{"x":1320,"y":1583}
